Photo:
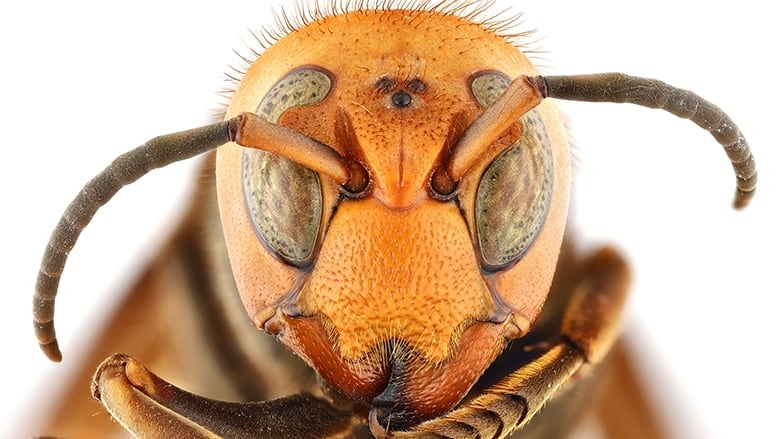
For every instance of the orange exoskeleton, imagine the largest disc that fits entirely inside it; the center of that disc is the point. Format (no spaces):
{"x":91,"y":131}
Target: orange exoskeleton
{"x":393,"y":190}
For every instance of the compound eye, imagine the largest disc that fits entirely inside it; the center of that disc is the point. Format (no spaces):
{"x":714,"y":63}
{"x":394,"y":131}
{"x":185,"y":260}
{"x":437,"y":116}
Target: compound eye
{"x":514,"y":194}
{"x":283,"y":198}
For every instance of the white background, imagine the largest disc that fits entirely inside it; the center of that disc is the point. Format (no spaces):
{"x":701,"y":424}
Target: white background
{"x":82,"y":82}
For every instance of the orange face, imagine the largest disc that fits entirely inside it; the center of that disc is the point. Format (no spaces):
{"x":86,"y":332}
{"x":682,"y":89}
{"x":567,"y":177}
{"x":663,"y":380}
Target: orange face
{"x":399,"y":295}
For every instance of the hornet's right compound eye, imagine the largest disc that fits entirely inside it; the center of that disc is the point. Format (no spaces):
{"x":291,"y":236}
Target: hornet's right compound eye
{"x":283,"y":198}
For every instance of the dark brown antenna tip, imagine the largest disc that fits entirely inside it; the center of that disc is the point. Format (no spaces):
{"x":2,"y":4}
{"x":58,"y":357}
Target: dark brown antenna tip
{"x":742,"y":199}
{"x":52,"y":351}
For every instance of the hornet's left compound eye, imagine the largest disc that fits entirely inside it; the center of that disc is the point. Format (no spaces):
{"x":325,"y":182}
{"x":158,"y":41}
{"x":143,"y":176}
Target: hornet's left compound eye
{"x":515,"y":191}
{"x":283,"y":198}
